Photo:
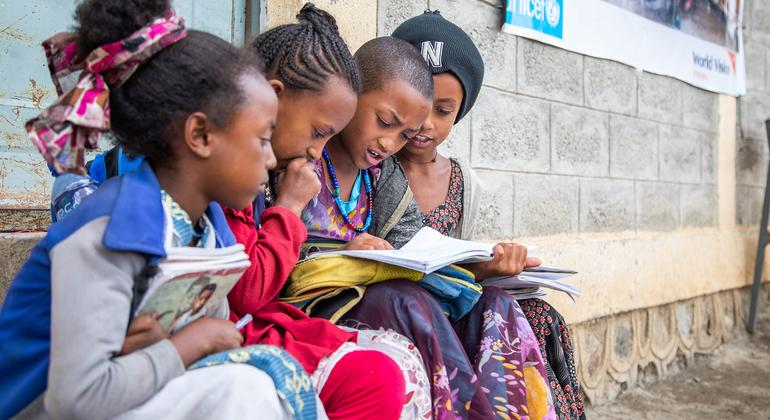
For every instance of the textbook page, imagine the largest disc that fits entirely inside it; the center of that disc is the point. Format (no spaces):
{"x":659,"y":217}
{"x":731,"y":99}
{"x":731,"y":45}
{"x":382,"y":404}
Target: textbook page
{"x":427,"y":252}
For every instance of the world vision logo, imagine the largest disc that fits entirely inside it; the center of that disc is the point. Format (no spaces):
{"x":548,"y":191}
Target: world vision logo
{"x":714,"y":64}
{"x":432,"y":52}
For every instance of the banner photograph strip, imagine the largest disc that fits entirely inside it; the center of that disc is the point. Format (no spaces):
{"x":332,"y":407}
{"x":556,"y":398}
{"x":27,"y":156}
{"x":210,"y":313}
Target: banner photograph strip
{"x":697,"y":41}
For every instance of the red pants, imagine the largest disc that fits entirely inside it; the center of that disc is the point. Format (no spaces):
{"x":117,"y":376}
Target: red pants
{"x":364,"y":384}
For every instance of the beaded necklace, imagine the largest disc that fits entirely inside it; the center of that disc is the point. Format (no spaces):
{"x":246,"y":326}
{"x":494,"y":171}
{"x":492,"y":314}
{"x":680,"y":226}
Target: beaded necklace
{"x":338,"y":200}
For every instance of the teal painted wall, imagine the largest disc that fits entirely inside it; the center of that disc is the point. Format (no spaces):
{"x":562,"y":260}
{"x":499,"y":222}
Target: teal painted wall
{"x":25,"y":85}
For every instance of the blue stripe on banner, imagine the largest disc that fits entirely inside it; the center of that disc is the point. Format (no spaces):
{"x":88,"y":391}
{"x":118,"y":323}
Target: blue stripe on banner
{"x":545,"y":16}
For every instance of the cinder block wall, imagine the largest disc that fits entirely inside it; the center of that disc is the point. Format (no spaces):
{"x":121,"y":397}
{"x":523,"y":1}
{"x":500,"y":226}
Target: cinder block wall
{"x":754,"y":109}
{"x":568,"y":144}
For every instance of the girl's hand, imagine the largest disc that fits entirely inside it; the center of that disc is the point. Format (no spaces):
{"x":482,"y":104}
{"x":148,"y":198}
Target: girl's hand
{"x":205,"y":336}
{"x":367,"y":242}
{"x":297,"y":185}
{"x":144,"y":331}
{"x":509,"y":259}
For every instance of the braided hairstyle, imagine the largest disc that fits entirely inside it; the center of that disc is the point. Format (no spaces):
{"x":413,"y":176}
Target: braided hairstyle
{"x":305,"y":55}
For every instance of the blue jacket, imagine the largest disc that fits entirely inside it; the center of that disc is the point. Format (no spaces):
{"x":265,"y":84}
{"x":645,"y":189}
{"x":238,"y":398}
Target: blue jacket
{"x":136,"y":225}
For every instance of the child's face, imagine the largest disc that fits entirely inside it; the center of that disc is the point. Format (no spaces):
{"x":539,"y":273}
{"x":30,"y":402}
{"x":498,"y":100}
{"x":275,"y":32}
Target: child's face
{"x":384,"y":121}
{"x":200,"y":300}
{"x":243,"y":155}
{"x":307,"y":120}
{"x":447,"y":98}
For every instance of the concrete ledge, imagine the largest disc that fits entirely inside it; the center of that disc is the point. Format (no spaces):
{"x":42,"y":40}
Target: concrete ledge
{"x":14,"y":251}
{"x":629,"y":271}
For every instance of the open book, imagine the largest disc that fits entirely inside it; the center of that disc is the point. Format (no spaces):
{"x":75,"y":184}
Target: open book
{"x":192,"y":283}
{"x":428,"y":251}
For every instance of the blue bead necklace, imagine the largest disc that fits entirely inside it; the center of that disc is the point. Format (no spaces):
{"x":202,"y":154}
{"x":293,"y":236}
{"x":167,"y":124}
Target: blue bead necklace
{"x":338,"y":200}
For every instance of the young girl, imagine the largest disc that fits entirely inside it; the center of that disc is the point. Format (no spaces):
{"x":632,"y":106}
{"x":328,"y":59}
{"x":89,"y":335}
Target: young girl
{"x":202,"y":118}
{"x":317,"y":82}
{"x":365,"y":191}
{"x":317,"y":95}
{"x":447,"y":190}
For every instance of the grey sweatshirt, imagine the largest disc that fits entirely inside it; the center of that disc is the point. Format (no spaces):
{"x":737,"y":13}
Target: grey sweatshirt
{"x":91,"y":290}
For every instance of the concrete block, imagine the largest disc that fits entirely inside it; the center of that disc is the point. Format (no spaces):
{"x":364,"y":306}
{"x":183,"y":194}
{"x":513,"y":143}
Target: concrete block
{"x":609,"y":86}
{"x":514,"y":140}
{"x":391,"y":13}
{"x":709,"y":161}
{"x":751,"y":162}
{"x":657,"y":206}
{"x":700,"y":108}
{"x":680,"y":154}
{"x":748,"y":205}
{"x":633,"y":148}
{"x":495,"y":220}
{"x":660,"y":98}
{"x":754,"y":110}
{"x":482,"y":22}
{"x":549,"y":72}
{"x":458,"y":144}
{"x":699,"y":205}
{"x":758,"y":21}
{"x":607,"y":205}
{"x":579,"y":141}
{"x":545,"y":205}
{"x":755,"y":59}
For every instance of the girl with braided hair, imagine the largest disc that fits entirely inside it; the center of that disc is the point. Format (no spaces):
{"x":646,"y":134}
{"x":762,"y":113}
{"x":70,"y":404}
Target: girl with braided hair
{"x":317,"y":83}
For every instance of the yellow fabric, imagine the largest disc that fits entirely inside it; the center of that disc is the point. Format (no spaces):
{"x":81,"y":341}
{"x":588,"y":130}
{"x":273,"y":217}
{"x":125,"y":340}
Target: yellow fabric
{"x":342,"y":271}
{"x":537,"y":393}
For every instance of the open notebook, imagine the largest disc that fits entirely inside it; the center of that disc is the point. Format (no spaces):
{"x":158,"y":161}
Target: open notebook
{"x":428,"y":251}
{"x":192,"y":283}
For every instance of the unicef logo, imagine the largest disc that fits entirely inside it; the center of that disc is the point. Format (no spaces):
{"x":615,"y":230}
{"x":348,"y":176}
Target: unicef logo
{"x":552,"y":12}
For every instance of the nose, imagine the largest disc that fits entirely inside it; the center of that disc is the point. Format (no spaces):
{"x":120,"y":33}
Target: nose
{"x":389,"y":145}
{"x":270,"y":160}
{"x":315,"y":151}
{"x":427,"y":126}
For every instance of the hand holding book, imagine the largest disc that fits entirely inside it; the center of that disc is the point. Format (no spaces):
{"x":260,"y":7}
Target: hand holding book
{"x":508,"y":259}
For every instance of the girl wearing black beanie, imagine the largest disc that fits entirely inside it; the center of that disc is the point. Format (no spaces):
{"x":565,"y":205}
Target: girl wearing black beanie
{"x":446,"y":191}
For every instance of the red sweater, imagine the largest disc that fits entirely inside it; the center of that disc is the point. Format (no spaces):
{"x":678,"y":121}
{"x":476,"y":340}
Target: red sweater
{"x":273,"y":251}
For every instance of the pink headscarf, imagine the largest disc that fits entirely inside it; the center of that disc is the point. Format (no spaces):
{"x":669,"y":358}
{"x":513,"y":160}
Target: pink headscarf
{"x":77,"y":119}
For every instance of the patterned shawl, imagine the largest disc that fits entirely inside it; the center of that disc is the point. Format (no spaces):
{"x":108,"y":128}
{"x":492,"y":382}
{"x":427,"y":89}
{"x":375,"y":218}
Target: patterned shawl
{"x":77,"y":119}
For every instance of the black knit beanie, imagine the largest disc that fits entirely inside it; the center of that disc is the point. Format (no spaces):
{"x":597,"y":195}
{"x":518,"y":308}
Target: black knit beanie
{"x":446,"y":47}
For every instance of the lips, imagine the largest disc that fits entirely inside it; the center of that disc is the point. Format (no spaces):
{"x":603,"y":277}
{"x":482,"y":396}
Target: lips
{"x":374,"y":157}
{"x":421,"y":141}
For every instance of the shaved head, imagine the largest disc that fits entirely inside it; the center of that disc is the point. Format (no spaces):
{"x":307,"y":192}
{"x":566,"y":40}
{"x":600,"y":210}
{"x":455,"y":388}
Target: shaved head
{"x":388,"y":59}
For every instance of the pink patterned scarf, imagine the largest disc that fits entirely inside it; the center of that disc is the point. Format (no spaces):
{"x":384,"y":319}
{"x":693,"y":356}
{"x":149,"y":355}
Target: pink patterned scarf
{"x":80,"y":115}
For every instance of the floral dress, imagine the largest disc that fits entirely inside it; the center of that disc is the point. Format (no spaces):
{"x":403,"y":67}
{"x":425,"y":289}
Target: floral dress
{"x":549,"y":327}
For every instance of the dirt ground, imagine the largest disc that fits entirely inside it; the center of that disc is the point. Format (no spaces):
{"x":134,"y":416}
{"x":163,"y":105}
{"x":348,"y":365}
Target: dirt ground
{"x":733,"y":383}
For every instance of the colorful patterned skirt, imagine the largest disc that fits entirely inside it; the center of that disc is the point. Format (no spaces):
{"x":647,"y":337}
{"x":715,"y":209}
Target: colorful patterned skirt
{"x":487,"y":365}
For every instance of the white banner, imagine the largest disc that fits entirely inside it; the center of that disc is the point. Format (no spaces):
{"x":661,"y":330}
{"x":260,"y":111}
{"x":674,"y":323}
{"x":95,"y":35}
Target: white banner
{"x":697,"y":41}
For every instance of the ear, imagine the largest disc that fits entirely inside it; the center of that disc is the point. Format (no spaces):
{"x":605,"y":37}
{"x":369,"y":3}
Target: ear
{"x":277,"y":86}
{"x":198,"y":134}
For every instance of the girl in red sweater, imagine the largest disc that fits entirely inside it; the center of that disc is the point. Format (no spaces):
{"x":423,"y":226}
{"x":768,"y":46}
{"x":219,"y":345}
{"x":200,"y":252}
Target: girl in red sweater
{"x":317,"y":83}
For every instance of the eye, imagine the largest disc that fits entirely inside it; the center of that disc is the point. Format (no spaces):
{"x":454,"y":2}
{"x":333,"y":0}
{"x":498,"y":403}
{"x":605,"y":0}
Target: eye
{"x":443,"y":111}
{"x":317,"y":134}
{"x":383,"y":123}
